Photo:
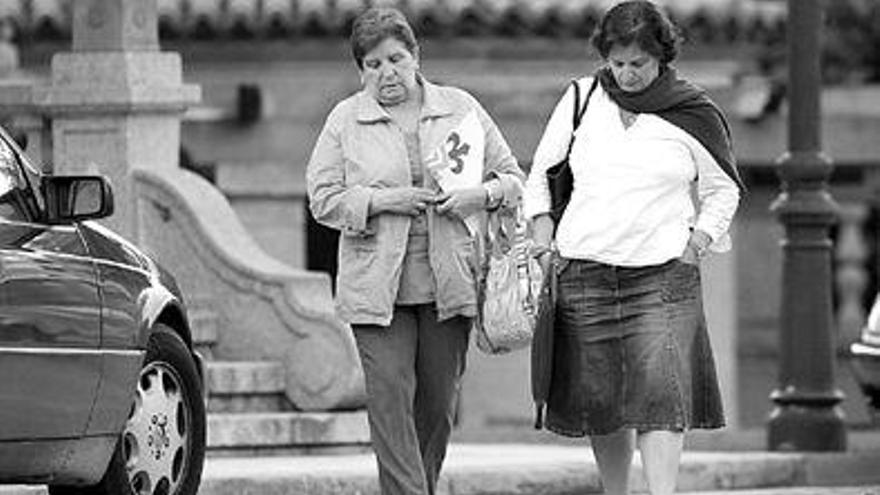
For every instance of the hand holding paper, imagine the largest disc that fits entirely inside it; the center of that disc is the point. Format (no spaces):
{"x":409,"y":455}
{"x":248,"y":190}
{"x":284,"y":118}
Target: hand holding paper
{"x":458,"y":162}
{"x":457,"y":166}
{"x":462,"y":202}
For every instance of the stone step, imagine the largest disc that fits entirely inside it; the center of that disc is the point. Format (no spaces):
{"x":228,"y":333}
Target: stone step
{"x":246,"y":386}
{"x":203,"y":324}
{"x":286,"y":432}
{"x":246,"y":403}
{"x":245,"y":377}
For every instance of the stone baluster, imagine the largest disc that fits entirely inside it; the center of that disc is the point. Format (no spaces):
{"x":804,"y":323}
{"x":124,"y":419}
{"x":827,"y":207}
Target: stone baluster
{"x":851,"y":276}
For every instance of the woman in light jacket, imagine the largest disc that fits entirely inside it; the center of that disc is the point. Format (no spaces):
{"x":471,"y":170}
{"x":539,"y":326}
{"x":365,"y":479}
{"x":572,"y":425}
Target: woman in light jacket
{"x":409,"y":256}
{"x":655,"y":188}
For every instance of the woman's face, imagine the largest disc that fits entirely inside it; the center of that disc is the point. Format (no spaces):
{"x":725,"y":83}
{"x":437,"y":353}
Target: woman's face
{"x":633,"y":68}
{"x":389,"y":72}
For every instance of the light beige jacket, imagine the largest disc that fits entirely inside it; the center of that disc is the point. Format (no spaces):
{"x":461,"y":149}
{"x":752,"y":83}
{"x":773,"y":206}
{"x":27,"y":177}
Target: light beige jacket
{"x":361,"y":150}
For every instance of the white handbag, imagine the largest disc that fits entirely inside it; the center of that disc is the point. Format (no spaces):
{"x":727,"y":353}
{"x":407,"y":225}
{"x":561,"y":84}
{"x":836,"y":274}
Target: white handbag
{"x":511,"y":286}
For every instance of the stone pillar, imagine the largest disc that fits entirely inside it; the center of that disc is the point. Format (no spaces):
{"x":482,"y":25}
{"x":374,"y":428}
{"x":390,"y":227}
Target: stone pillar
{"x":115,"y":100}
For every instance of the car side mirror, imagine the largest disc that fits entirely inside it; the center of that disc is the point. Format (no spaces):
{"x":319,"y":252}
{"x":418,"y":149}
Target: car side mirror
{"x":73,"y":198}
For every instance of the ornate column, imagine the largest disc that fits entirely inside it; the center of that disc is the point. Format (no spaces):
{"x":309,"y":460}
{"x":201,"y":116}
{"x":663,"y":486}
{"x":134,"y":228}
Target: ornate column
{"x":115,"y":100}
{"x":806,"y":413}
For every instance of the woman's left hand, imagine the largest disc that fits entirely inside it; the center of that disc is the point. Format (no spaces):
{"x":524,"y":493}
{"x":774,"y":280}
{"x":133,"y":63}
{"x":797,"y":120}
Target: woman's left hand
{"x":696,"y":246}
{"x":462,"y":203}
{"x":690,"y":256}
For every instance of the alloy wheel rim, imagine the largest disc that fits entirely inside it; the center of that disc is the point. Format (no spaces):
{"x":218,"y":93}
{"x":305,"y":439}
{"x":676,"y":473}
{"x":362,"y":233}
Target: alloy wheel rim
{"x":156,"y":436}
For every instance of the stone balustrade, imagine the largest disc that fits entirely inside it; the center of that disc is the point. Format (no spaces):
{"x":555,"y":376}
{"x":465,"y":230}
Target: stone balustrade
{"x":733,"y":20}
{"x":265,"y":309}
{"x":851,"y":274}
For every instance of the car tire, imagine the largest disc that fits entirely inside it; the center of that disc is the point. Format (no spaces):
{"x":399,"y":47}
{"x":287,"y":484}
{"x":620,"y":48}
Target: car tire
{"x":150,"y":458}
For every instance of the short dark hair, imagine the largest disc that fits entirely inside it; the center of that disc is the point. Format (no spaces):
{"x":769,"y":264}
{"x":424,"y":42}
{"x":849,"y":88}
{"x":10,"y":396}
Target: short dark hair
{"x":374,"y":26}
{"x":641,"y":22}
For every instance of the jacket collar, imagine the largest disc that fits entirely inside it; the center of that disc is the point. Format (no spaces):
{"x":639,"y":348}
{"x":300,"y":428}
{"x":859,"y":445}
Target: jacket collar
{"x":434,"y":104}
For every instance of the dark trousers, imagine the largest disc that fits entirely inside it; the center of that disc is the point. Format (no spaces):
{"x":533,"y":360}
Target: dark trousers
{"x":413,"y":373}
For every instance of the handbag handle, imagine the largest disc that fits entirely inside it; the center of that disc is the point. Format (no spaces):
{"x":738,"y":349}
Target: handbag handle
{"x":504,"y":229}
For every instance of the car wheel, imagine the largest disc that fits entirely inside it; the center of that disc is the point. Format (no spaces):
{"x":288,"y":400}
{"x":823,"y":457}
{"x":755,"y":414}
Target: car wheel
{"x":161,"y":451}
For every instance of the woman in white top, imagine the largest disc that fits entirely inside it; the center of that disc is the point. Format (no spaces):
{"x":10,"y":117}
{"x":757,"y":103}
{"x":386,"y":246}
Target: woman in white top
{"x":655,"y":187}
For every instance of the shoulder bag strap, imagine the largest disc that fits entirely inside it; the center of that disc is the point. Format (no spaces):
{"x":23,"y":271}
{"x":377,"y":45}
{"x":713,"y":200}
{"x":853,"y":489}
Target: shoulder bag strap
{"x":578,"y":112}
{"x":577,"y":120}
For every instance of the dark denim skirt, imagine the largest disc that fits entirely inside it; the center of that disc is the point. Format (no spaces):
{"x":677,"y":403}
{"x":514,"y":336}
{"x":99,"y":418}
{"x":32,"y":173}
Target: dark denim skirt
{"x":631,"y":350}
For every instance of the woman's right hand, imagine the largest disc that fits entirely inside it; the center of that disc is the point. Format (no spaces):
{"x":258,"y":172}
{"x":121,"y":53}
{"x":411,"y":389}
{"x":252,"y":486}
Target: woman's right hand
{"x":544,"y":257}
{"x":411,"y":201}
{"x":542,"y":235}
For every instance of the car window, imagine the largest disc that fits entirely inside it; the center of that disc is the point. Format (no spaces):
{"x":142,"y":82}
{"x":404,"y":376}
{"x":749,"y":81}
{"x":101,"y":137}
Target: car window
{"x":9,"y":182}
{"x":7,"y":169}
{"x":32,"y":177}
{"x":19,"y":200}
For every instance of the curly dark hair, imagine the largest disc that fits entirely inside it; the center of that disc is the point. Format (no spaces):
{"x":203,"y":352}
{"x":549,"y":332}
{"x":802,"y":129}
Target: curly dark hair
{"x":374,"y":26}
{"x":641,"y":22}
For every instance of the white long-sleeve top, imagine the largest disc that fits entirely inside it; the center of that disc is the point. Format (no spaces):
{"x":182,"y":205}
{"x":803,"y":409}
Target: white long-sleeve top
{"x":633,"y":202}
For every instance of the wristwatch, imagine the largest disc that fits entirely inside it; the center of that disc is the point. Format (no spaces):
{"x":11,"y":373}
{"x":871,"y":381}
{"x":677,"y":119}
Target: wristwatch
{"x":493,"y":193}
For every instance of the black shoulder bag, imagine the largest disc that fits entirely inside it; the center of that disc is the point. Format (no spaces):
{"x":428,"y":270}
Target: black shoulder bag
{"x":559,"y":178}
{"x":560,"y":181}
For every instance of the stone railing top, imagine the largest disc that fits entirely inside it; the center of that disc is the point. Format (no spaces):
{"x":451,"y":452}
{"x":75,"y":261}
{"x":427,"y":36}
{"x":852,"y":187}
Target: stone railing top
{"x":211,"y":19}
{"x":115,"y":25}
{"x":267,"y":179}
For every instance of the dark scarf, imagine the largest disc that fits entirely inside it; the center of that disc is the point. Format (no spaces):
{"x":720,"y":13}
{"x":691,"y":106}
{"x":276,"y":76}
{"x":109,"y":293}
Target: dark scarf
{"x":684,"y":105}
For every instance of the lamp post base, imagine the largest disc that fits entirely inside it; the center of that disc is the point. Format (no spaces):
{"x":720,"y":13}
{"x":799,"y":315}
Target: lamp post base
{"x":807,"y":426}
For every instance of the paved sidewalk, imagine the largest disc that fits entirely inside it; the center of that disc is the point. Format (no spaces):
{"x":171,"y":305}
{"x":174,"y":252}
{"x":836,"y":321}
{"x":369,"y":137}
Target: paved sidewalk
{"x":515,"y":469}
{"x":817,"y":490}
{"x":824,"y":490}
{"x":519,"y":469}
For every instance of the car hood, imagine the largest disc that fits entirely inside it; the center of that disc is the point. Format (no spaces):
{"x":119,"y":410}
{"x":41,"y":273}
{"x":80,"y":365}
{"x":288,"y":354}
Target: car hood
{"x":108,"y":245}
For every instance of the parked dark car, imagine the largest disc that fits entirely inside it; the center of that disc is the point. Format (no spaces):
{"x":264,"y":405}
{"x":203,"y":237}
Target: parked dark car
{"x":865,"y":361}
{"x":100,"y":389}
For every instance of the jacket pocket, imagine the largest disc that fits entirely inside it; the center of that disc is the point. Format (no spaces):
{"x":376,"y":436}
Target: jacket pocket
{"x":362,"y":281}
{"x":359,"y":245}
{"x":457,"y":272}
